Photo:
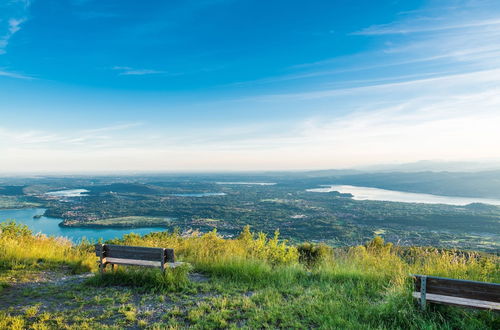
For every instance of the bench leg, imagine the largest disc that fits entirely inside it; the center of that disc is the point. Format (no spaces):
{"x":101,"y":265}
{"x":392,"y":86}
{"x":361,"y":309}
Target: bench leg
{"x":423,"y":292}
{"x":102,"y":268}
{"x":113,"y":267}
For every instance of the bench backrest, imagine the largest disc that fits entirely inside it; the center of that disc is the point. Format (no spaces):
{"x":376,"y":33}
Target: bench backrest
{"x":135,"y":253}
{"x":458,"y":288}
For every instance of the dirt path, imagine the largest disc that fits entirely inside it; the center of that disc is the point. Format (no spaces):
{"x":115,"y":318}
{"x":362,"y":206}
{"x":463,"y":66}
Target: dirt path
{"x":56,"y":291}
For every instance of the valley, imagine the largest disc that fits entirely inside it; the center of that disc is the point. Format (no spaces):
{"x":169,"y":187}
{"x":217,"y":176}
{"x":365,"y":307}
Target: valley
{"x":267,"y":203}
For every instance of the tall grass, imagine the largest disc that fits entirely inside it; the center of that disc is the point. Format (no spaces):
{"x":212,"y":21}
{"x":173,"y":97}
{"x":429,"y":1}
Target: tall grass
{"x":363,"y":284}
{"x":21,"y":249}
{"x":255,"y":254}
{"x":308,"y":285}
{"x":150,"y":280}
{"x":210,"y":252}
{"x":209,"y":247}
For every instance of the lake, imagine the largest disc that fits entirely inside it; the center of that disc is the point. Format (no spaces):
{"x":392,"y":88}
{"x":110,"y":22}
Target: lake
{"x":50,"y":226}
{"x":68,"y":193}
{"x":367,"y":193}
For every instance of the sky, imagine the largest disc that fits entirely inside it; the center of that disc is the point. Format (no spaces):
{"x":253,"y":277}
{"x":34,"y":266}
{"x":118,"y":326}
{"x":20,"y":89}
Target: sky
{"x":240,"y":85}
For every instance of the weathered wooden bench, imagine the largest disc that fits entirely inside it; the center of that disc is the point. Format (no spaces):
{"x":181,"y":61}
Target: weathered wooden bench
{"x":448,"y":291}
{"x":134,"y":256}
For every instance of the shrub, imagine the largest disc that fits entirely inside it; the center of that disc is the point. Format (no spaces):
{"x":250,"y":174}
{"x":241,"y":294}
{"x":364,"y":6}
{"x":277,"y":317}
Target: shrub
{"x":312,"y":254}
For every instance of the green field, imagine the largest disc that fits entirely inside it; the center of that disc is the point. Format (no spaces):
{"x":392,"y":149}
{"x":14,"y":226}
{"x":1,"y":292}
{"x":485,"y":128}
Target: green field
{"x":130,"y":221}
{"x":15,"y":202}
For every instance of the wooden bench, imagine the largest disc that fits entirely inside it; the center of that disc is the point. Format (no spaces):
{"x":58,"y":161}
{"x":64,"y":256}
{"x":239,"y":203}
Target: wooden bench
{"x":134,"y":256}
{"x":448,"y":291}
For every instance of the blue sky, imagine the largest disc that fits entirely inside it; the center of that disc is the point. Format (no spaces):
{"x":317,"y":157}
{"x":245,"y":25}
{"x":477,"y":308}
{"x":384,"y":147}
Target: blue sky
{"x":246,"y":85}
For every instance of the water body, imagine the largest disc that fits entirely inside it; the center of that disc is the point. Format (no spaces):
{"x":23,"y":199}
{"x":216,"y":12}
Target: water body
{"x":249,"y":183}
{"x":68,"y":193}
{"x":199,"y":194}
{"x":50,"y":226}
{"x":366,"y":193}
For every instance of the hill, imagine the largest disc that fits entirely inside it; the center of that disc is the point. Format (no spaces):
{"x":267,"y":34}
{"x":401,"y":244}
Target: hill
{"x":251,"y":281}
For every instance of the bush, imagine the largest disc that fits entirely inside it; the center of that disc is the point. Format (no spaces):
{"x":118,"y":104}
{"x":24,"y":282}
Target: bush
{"x":312,"y":254}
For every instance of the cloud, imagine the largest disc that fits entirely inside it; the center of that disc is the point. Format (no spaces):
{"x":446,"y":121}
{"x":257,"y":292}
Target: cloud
{"x":17,"y":10}
{"x":128,"y":71}
{"x":117,"y":127}
{"x":423,"y":85}
{"x":455,"y":118}
{"x":14,"y":75}
{"x":450,"y":40}
{"x":91,"y":138}
{"x":398,"y":28}
{"x":15,"y":25}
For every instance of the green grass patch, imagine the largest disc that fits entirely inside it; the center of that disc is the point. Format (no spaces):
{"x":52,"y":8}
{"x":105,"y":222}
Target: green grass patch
{"x":129,"y":221}
{"x":14,"y":202}
{"x":151,"y":280}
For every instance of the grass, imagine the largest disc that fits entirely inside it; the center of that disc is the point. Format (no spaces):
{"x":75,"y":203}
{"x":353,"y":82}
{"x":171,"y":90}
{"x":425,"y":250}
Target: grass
{"x":150,"y":280}
{"x":253,"y":282}
{"x":21,"y":250}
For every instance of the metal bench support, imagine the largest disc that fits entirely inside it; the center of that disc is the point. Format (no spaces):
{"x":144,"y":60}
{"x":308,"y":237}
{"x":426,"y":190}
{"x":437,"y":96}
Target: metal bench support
{"x":423,"y":292}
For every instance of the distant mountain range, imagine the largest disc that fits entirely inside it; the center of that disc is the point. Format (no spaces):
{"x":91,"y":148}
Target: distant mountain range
{"x":433,"y":166}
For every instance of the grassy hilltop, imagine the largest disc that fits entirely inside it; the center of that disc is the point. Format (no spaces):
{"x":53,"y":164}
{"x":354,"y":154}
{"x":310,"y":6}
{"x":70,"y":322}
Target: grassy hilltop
{"x":252,"y":281}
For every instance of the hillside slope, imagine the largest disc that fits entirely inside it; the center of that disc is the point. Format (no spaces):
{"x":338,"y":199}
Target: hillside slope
{"x":251,"y":282}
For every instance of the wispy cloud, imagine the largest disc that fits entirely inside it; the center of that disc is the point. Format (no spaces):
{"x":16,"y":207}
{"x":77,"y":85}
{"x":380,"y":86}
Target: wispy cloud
{"x":117,"y":127}
{"x":128,"y":71}
{"x":446,"y":39}
{"x":413,"y":85}
{"x":14,"y":75}
{"x":15,"y":15}
{"x":398,"y":28}
{"x":451,"y":118}
{"x":19,"y":142}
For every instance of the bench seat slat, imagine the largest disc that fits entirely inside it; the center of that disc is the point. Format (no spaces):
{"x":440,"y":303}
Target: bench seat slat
{"x":144,"y":263}
{"x":132,"y":248}
{"x":133,"y":262}
{"x":133,"y":252}
{"x":156,"y":256}
{"x":457,"y":301}
{"x":461,"y":288}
